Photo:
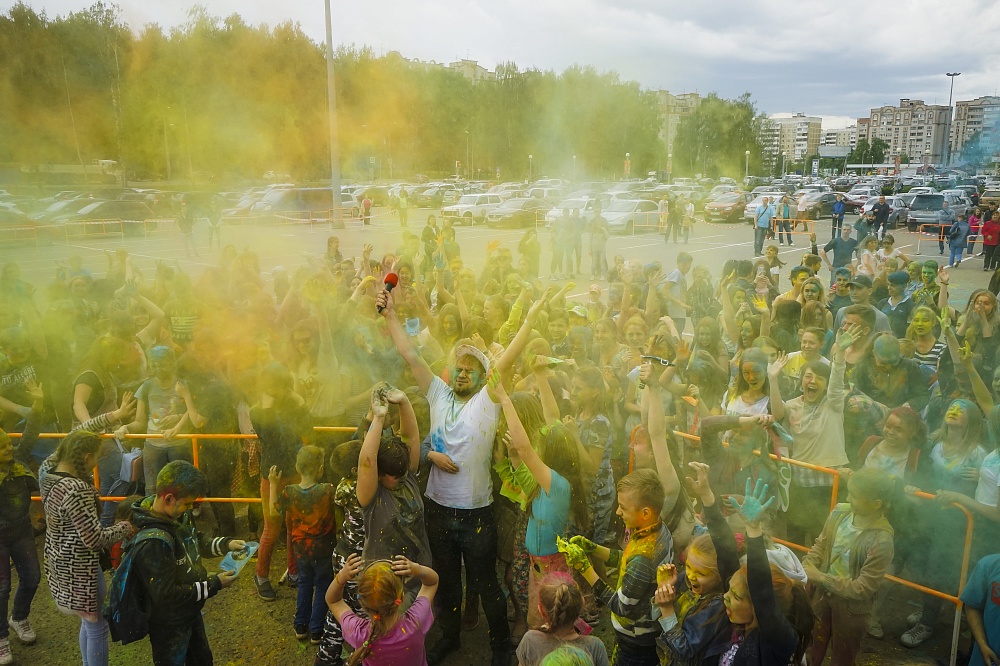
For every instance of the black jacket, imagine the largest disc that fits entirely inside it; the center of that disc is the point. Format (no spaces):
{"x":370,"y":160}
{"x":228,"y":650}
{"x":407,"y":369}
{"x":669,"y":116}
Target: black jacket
{"x":175,"y":578}
{"x":18,"y":484}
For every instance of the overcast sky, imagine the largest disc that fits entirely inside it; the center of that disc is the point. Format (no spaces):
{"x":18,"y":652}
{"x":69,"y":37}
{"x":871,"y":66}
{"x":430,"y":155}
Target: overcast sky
{"x":836,"y":58}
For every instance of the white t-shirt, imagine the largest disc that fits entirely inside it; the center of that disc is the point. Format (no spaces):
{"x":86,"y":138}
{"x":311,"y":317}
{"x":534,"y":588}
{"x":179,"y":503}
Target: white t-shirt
{"x":465,"y":432}
{"x":988,"y":490}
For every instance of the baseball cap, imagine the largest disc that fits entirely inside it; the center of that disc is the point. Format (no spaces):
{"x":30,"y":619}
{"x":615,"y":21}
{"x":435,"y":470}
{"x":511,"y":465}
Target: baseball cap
{"x":595,"y":288}
{"x":578,"y":310}
{"x":469,"y":350}
{"x":886,"y":349}
{"x":861,"y":281}
{"x":899,"y":277}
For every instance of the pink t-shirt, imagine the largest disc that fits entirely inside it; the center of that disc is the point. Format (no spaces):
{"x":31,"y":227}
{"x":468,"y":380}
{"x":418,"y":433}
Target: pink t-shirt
{"x":403,"y":645}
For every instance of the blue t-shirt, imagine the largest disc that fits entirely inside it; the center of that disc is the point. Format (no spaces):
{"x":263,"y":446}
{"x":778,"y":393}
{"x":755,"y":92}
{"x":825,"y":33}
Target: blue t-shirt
{"x":763,"y":215}
{"x":548,"y":518}
{"x":982,"y":592}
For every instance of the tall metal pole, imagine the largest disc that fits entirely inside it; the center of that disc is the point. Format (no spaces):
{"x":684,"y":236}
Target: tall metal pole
{"x":331,"y":101}
{"x":947,"y":136}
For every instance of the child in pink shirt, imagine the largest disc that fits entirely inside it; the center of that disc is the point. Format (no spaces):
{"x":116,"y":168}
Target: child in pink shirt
{"x":388,"y":638}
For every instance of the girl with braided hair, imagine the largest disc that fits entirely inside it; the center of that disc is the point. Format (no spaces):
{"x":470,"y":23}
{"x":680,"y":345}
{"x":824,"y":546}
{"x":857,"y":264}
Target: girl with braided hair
{"x":74,"y":539}
{"x":559,"y":604}
{"x":386,"y":636}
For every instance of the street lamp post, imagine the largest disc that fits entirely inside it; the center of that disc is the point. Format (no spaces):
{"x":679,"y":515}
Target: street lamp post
{"x":947,"y":136}
{"x":530,"y":159}
{"x":574,"y":169}
{"x":927,"y":161}
{"x":468,"y":173}
{"x":746,"y":171}
{"x":331,"y":102}
{"x":166,"y":149}
{"x":628,"y":166}
{"x":670,"y":167}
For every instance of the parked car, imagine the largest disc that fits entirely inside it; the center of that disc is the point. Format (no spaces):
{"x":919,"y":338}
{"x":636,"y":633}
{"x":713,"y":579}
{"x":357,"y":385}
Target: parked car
{"x":727,"y":208}
{"x":925,"y":207}
{"x":922,"y":189}
{"x":898,"y":210}
{"x":127,"y":211}
{"x":750,"y":210}
{"x":16,"y":227}
{"x":584,"y":205}
{"x":819,"y":204}
{"x":521,"y":212}
{"x":61,"y":207}
{"x":990,"y":195}
{"x":624,"y":214}
{"x":303,"y":200}
{"x":506,"y":190}
{"x":471,"y":208}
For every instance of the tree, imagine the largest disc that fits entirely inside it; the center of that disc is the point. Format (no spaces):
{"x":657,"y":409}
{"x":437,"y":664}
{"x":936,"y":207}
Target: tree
{"x":714,"y":137}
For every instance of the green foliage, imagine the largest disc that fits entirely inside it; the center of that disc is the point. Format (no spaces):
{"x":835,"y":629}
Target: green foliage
{"x":869,"y":153}
{"x":220,"y":96}
{"x":713,"y":139}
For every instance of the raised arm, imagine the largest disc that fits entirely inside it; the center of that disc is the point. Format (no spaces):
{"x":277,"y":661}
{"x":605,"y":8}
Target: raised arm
{"x":368,"y":458}
{"x":409,"y":432}
{"x":657,"y":428}
{"x":519,"y":439}
{"x":773,"y":380}
{"x":728,"y":312}
{"x":550,"y":408}
{"x":421,"y":371}
{"x":505,"y":363}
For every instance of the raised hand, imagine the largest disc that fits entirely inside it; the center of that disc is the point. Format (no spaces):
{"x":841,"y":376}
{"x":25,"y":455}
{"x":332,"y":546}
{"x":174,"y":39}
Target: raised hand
{"x":404,"y":568}
{"x":774,"y":368}
{"x":576,"y":558}
{"x":753,"y":507}
{"x":698,"y":484}
{"x":494,"y":386}
{"x":848,"y":336}
{"x":352,"y":567}
{"x":378,"y":400}
{"x":394,"y":396}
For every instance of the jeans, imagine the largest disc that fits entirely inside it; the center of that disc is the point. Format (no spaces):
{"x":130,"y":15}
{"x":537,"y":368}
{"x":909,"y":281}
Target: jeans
{"x":22,"y":552}
{"x":94,"y":635}
{"x":956,"y":255}
{"x":785,"y":226}
{"x":272,"y":526}
{"x":155,"y":458}
{"x":837,"y":221}
{"x":470,"y":535}
{"x":634,"y":655}
{"x":332,"y":643}
{"x":598,"y":261}
{"x":315,"y":575}
{"x":216,"y":460}
{"x":758,"y":239}
{"x":180,"y":645}
{"x":673,"y":227}
{"x":839,"y":629}
{"x":556,"y":267}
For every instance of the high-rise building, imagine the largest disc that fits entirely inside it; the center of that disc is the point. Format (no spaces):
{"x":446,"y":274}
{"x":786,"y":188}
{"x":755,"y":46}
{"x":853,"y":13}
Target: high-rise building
{"x":910,"y":128}
{"x":672,"y":109}
{"x":845,"y":137}
{"x":976,"y":116}
{"x":796,"y":137}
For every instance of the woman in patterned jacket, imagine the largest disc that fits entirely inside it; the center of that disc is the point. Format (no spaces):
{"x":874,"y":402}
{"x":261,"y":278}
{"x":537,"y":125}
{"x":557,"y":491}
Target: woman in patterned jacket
{"x":74,"y":538}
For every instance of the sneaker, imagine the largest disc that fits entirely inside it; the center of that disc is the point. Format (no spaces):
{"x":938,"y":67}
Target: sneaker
{"x":875,"y":629}
{"x":440,"y":650}
{"x":915,"y":617}
{"x":301,"y":631}
{"x":316,"y":638}
{"x":22,"y":629}
{"x":916,"y":636}
{"x":6,"y":657}
{"x":264,"y":589}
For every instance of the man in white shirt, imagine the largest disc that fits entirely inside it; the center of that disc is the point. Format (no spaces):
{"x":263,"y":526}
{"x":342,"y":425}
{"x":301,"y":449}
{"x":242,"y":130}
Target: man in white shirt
{"x":459,"y":516}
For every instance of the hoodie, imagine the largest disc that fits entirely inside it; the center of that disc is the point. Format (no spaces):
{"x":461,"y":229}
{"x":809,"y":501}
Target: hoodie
{"x":871,"y":554}
{"x":174,"y":575}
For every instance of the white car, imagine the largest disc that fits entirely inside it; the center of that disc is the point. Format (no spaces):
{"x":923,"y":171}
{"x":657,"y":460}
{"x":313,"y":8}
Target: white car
{"x":506,"y":190}
{"x":750,"y":212}
{"x":623,"y":215}
{"x":585,"y":206}
{"x":922,"y":189}
{"x":471,"y":208}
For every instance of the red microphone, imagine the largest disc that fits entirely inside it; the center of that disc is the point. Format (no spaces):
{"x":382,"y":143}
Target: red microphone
{"x":391,"y":280}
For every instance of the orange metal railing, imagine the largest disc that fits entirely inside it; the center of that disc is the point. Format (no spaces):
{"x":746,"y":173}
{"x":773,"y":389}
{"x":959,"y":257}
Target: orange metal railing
{"x":835,"y":491}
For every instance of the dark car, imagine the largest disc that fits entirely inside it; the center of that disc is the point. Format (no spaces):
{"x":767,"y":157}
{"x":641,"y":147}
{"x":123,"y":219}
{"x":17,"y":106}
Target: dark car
{"x":517,"y":213}
{"x":16,"y":227}
{"x":301,"y":200}
{"x":111,"y":211}
{"x":727,"y":208}
{"x":819,"y":204}
{"x":377,"y":193}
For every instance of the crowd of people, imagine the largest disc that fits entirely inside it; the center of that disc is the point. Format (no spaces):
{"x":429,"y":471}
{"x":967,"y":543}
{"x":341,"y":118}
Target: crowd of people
{"x":512,"y":450}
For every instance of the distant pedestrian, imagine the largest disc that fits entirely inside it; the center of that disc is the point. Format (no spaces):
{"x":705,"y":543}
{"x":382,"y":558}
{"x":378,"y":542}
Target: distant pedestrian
{"x":991,"y":240}
{"x":559,"y":235}
{"x":762,"y":224}
{"x":663,"y":208}
{"x":577,"y":226}
{"x":674,"y":220}
{"x":688,"y":224}
{"x":366,"y":210}
{"x":783,"y":222}
{"x":837,"y":215}
{"x":214,"y":225}
{"x":958,"y":238}
{"x":945,"y":218}
{"x":404,"y":205}
{"x":185,"y":223}
{"x":881,"y":212}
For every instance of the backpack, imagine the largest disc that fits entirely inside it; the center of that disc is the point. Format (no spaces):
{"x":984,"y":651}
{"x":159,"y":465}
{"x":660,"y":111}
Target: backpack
{"x":127,"y":609}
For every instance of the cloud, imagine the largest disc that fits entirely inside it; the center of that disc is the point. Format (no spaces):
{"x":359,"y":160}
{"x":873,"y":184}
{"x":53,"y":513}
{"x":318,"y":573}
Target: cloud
{"x":831,"y":58}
